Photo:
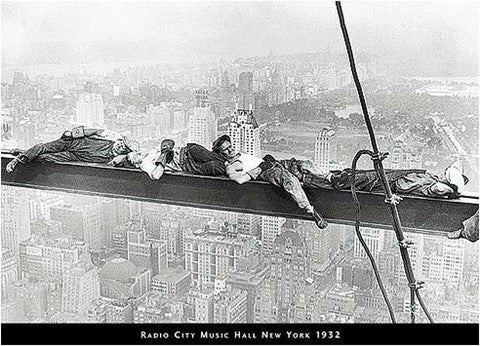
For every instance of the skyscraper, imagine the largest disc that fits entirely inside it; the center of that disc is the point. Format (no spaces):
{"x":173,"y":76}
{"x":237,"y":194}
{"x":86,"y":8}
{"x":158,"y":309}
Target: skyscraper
{"x":203,"y":305}
{"x":172,"y":282}
{"x":211,"y":254}
{"x":83,"y":222}
{"x":202,"y":124}
{"x":145,"y":253}
{"x":93,"y":233}
{"x":15,"y":218}
{"x":374,"y":239}
{"x":275,"y":90}
{"x":114,"y":212}
{"x":40,"y":206}
{"x":230,"y":306}
{"x":270,"y":227}
{"x":89,"y":110}
{"x":453,"y":256}
{"x":250,"y":282}
{"x":248,"y":223}
{"x":161,"y":223}
{"x":245,"y":89}
{"x":245,"y":133}
{"x":32,"y":296}
{"x":47,"y":259}
{"x":290,"y":269}
{"x":323,"y":148}
{"x":322,"y":246}
{"x":81,"y":286}
{"x":245,"y":82}
{"x":9,"y":272}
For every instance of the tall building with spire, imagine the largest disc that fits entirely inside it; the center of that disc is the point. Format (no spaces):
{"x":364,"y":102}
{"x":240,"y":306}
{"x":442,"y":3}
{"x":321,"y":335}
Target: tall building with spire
{"x":202,"y":124}
{"x":245,"y":132}
{"x":245,"y":135}
{"x":323,"y":151}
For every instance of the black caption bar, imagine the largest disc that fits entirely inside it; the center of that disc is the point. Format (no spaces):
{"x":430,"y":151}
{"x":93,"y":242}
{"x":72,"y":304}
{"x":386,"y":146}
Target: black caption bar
{"x":240,"y":334}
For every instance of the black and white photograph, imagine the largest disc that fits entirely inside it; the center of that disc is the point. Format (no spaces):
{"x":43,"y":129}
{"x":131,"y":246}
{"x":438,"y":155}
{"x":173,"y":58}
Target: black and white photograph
{"x":240,"y":172}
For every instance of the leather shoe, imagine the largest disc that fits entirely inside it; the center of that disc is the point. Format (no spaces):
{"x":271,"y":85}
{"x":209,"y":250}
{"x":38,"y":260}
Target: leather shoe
{"x":319,"y":220}
{"x":12,"y":165}
{"x":455,"y":234}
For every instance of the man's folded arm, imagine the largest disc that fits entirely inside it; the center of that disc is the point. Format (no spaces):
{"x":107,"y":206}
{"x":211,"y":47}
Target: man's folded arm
{"x":154,"y":169}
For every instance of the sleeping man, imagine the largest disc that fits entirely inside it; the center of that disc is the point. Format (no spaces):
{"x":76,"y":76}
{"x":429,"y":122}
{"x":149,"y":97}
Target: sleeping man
{"x":293,"y":175}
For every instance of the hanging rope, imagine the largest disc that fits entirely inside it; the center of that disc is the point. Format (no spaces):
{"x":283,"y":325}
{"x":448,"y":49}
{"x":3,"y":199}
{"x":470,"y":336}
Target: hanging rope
{"x":391,"y":199}
{"x":359,"y":234}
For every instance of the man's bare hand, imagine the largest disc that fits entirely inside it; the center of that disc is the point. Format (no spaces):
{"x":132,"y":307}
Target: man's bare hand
{"x":232,"y":159}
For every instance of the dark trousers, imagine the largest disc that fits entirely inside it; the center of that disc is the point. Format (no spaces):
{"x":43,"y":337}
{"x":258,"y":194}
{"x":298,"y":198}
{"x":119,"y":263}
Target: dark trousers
{"x":67,"y":150}
{"x":279,"y":176}
{"x":405,"y":181}
{"x":196,"y":159}
{"x":54,"y":151}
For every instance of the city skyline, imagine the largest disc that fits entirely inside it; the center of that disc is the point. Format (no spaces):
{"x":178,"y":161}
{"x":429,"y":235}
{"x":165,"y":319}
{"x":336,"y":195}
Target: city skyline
{"x":228,"y":276}
{"x":274,"y":76}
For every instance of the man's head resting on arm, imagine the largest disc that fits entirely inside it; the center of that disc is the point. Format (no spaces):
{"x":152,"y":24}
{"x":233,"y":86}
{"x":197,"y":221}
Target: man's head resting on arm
{"x":223,"y":146}
{"x":166,"y":151}
{"x":124,"y":145}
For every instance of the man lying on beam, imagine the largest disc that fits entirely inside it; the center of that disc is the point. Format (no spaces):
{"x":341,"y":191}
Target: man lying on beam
{"x":241,"y":167}
{"x":417,"y":182}
{"x":195,"y":159}
{"x":78,"y":144}
{"x":192,"y":159}
{"x":292,"y":175}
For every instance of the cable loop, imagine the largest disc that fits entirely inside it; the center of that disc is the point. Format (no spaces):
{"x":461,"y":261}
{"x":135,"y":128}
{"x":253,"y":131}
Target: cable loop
{"x":417,"y":285}
{"x":379,"y":156}
{"x":394,"y":200}
{"x":405,"y":243}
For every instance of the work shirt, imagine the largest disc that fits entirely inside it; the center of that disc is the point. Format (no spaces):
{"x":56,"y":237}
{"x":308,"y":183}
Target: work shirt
{"x":193,"y":159}
{"x":155,"y":158}
{"x":249,"y":162}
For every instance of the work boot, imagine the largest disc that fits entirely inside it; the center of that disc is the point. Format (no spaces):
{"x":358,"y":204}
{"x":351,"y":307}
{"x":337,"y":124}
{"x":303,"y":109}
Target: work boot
{"x":16,"y":152}
{"x":455,"y":234}
{"x":319,"y":220}
{"x":10,"y":168}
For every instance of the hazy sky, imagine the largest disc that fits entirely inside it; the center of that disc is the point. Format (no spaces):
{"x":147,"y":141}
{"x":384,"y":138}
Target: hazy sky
{"x":46,"y":30}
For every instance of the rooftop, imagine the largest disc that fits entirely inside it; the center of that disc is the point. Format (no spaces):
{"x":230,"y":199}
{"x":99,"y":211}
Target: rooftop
{"x":171,"y":275}
{"x":119,"y":269}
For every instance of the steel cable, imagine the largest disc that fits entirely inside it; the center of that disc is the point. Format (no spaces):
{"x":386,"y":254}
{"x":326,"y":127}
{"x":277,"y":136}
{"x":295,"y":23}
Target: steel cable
{"x":377,"y":160}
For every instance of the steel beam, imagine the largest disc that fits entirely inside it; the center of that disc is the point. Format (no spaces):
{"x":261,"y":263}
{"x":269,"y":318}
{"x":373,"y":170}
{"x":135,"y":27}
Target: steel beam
{"x":424,"y":215}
